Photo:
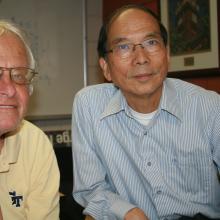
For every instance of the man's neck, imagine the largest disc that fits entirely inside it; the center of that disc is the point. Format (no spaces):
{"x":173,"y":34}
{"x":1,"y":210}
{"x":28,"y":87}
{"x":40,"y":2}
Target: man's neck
{"x":145,"y":103}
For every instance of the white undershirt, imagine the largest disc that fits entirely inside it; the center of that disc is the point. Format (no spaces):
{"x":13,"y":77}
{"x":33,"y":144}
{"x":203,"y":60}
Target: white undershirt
{"x":141,"y":117}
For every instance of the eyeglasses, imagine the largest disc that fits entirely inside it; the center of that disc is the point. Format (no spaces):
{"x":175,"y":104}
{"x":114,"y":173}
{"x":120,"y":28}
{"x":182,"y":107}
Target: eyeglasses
{"x":125,"y":50}
{"x":19,"y":75}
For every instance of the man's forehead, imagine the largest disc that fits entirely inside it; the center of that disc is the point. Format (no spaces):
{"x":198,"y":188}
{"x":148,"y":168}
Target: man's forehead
{"x":131,"y":13}
{"x":132,"y":22}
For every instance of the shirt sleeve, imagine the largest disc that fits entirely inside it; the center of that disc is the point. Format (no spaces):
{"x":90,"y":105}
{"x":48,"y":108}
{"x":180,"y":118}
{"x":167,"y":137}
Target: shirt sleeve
{"x":91,"y":184}
{"x":43,"y":199}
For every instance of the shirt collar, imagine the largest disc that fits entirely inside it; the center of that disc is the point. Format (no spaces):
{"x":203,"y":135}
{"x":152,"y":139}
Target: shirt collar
{"x":116,"y":104}
{"x":12,"y":147}
{"x":10,"y":150}
{"x":169,"y":102}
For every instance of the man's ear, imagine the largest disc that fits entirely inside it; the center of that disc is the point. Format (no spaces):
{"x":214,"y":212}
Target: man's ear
{"x":105,"y":68}
{"x":168,"y":54}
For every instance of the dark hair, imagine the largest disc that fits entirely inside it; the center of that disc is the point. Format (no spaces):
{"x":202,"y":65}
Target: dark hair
{"x":102,"y":40}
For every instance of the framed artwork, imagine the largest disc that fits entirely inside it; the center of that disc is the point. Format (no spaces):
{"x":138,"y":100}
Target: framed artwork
{"x":193,"y":36}
{"x":154,"y":5}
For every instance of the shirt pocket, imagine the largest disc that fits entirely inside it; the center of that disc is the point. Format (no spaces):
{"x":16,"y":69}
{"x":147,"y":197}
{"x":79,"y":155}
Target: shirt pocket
{"x":194,"y":171}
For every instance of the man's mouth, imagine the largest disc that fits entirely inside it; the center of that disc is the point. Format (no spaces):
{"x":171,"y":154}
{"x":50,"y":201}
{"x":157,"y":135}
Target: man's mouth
{"x":7,"y":106}
{"x":143,"y":76}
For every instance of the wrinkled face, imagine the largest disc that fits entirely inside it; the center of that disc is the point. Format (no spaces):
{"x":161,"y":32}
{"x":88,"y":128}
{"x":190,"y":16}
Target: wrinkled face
{"x":142,"y":73}
{"x":13,"y":97}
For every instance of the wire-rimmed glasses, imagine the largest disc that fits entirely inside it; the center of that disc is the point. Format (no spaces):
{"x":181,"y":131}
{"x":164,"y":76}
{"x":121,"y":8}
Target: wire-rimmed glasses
{"x":125,"y":50}
{"x":20,"y":75}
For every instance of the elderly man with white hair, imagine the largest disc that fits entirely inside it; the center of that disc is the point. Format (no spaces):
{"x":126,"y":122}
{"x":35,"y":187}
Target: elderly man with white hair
{"x":29,"y":174}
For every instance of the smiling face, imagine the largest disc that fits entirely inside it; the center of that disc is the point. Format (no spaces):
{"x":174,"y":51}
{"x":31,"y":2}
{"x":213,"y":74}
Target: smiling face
{"x":13,"y":97}
{"x":141,"y":75}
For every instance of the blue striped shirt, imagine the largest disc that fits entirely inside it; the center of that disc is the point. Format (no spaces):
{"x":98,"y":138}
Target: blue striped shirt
{"x":168,"y":168}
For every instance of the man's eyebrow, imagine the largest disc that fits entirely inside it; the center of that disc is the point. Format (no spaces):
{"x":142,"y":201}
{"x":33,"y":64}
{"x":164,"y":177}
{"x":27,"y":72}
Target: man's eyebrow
{"x":153,"y":34}
{"x":119,"y":40}
{"x":124,"y":39}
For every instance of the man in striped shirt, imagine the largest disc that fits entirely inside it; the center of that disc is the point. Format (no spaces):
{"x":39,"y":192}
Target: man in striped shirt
{"x":144,"y":146}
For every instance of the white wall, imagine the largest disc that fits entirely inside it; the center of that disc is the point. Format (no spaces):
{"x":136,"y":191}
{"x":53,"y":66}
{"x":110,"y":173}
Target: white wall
{"x":54,"y":29}
{"x":94,"y":22}
{"x":94,"y":75}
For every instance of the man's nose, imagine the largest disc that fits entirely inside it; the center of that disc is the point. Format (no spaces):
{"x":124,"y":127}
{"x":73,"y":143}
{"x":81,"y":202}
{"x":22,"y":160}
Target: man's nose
{"x":7,"y":86}
{"x":140,"y":54}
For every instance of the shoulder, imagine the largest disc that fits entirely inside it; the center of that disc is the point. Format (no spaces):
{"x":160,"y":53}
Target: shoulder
{"x":97,"y":90}
{"x":95,"y":94}
{"x":195,"y":98}
{"x":27,"y":128}
{"x":191,"y":91}
{"x":31,"y":135}
{"x":91,"y":101}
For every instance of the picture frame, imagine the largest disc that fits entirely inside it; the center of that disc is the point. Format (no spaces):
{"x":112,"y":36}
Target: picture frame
{"x":192,"y":60}
{"x":153,"y":5}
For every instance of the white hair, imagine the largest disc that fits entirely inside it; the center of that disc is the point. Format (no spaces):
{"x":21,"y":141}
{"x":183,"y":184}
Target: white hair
{"x":8,"y":26}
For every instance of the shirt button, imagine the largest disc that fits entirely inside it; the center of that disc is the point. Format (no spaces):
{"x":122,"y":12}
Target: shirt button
{"x":159,"y":192}
{"x":149,"y":163}
{"x":174,"y":160}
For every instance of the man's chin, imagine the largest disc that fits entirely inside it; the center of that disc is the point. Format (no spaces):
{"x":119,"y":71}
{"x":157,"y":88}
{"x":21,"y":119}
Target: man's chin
{"x":8,"y":126}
